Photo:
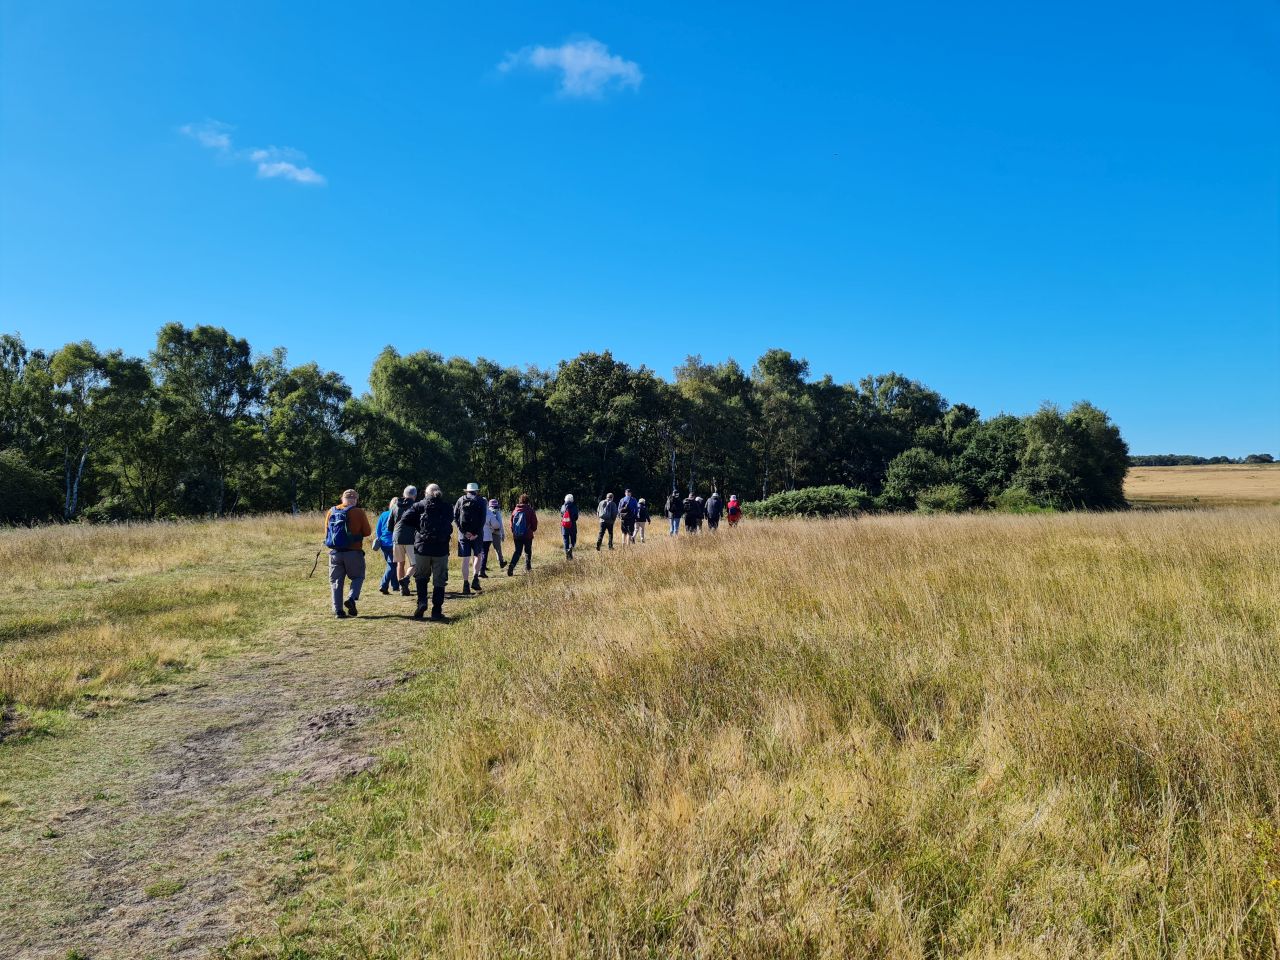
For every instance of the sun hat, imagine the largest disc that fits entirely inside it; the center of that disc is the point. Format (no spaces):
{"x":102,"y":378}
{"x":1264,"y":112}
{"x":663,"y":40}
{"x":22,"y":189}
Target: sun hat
{"x":494,"y":502}
{"x":473,"y":487}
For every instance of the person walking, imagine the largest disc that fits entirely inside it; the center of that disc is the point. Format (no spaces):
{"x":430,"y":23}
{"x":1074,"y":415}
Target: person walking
{"x":692,"y":513}
{"x":524,"y":523}
{"x":628,"y":509}
{"x":402,"y":538}
{"x":494,"y":533}
{"x":607,"y":511}
{"x":713,"y":508}
{"x":345,"y":527}
{"x":569,"y":525}
{"x":384,"y":541}
{"x":642,"y":519}
{"x":673,"y":511}
{"x":734,"y":511}
{"x":470,"y":513}
{"x":433,"y":528}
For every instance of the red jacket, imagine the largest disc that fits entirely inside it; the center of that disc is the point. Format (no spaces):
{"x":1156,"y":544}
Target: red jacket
{"x":531,"y":518}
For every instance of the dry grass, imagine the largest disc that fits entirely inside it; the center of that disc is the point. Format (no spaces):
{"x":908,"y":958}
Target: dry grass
{"x":94,"y":613}
{"x":900,"y":737}
{"x":1226,"y":484}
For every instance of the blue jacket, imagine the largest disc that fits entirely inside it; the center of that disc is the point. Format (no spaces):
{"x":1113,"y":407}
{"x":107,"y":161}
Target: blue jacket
{"x":632,"y":502}
{"x":382,"y":533}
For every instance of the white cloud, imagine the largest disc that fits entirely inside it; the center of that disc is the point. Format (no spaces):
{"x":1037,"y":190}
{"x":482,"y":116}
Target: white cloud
{"x":587,"y":68}
{"x":271,"y":162}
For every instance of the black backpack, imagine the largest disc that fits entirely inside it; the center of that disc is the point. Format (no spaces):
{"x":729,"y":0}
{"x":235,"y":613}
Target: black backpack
{"x":474,"y":511}
{"x":625,"y":511}
{"x":435,"y":525}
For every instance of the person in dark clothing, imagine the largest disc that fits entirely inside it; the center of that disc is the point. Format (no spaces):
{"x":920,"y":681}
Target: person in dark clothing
{"x":470,"y":513}
{"x":524,"y":523}
{"x":607,"y":511}
{"x":673,"y":511}
{"x":433,"y":526}
{"x":642,"y":519}
{"x":692,"y":514}
{"x":628,"y":510}
{"x":713,"y":508}
{"x":569,"y":525}
{"x":402,"y":538}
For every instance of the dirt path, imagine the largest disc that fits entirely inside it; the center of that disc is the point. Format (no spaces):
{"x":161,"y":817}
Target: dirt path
{"x":146,"y":832}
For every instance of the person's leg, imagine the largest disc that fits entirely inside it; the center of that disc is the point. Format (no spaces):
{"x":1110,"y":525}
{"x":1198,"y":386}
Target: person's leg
{"x":440,"y":576}
{"x":515,"y":557}
{"x":573,"y":540}
{"x":564,"y":535}
{"x":337,"y":572}
{"x":389,"y":581}
{"x":640,"y":530}
{"x":610,"y":536}
{"x":528,"y":554}
{"x":355,"y":573}
{"x":484,"y":559}
{"x":600,"y":539}
{"x":404,"y":557}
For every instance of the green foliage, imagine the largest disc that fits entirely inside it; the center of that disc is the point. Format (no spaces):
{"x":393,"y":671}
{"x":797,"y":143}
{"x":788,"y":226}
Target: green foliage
{"x":29,"y":494}
{"x":812,"y":502}
{"x":1018,"y":500}
{"x":909,"y":473}
{"x":206,"y":427}
{"x":943,"y":498}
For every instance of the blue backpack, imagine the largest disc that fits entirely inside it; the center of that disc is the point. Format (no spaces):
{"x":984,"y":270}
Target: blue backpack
{"x":519,"y":525}
{"x":336,"y":536}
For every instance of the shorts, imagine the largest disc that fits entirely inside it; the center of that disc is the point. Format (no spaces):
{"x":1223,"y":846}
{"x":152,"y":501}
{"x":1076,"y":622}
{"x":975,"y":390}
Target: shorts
{"x":470,"y":548}
{"x":628,"y":526}
{"x":402,"y":553}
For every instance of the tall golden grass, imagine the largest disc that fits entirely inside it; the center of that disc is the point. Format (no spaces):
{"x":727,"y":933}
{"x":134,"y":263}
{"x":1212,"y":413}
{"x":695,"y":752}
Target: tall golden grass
{"x":906,"y":737}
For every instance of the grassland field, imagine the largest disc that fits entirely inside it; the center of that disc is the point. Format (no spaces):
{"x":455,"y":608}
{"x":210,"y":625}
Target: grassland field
{"x":900,"y":737}
{"x":1229,"y":484}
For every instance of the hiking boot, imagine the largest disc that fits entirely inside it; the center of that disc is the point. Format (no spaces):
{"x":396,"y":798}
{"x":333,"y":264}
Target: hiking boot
{"x":420,"y":613}
{"x":351,"y":608}
{"x":340,"y":614}
{"x":485,"y":574}
{"x":511,"y":570}
{"x":384,"y":591}
{"x":466,"y":589}
{"x":475,"y":583}
{"x":404,"y":590}
{"x":439,"y":617}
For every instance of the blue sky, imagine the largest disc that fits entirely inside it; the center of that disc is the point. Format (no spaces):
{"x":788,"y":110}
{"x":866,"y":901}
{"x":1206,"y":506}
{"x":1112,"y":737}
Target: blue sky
{"x":1012,"y":202}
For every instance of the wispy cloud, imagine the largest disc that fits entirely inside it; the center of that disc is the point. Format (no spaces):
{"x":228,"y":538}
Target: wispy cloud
{"x":587,"y":68}
{"x":271,"y":162}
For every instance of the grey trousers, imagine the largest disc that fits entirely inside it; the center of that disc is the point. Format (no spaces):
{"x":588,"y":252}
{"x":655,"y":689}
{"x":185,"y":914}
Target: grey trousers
{"x":345,"y":565}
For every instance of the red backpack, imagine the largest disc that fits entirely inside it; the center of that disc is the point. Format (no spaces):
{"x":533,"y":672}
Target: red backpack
{"x":566,"y":518}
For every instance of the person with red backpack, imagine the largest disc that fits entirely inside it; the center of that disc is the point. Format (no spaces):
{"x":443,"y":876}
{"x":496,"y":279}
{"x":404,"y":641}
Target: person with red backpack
{"x":345,"y":527}
{"x":524,"y":523}
{"x":733,"y":513}
{"x":569,"y":525}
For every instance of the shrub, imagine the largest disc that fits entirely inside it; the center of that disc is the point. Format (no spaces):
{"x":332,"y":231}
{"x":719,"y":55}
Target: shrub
{"x":909,"y":473}
{"x":1019,"y":500}
{"x":28,"y":494}
{"x":812,"y":502}
{"x":943,"y":498}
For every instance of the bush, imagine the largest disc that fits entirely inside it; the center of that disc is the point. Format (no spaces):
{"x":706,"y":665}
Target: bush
{"x":29,"y":495}
{"x":943,"y":498}
{"x":812,"y":502}
{"x":1019,"y":500}
{"x":909,"y":473}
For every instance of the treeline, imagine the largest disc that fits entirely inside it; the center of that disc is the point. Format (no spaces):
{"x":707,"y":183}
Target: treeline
{"x":1187,"y":460}
{"x":203,"y":426}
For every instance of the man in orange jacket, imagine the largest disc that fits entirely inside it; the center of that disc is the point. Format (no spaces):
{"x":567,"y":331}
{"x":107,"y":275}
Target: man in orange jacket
{"x":345,"y":527}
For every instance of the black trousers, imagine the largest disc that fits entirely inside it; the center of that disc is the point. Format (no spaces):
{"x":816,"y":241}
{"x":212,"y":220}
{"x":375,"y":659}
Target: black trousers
{"x":522,"y":547}
{"x":605,"y":526}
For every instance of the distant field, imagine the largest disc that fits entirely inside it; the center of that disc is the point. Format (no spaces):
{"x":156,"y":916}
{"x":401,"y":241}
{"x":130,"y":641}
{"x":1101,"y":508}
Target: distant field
{"x":1228,"y":484}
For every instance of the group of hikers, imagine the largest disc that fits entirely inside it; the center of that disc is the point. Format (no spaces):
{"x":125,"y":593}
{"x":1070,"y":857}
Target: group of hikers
{"x":415,"y":531}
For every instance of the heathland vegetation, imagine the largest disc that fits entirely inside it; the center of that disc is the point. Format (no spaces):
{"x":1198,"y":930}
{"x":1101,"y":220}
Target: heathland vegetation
{"x":204,"y":427}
